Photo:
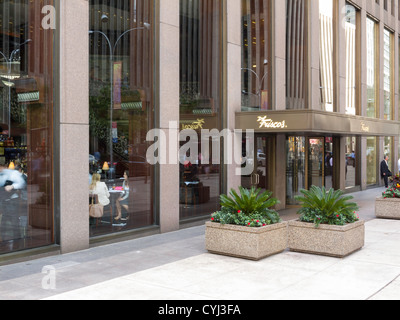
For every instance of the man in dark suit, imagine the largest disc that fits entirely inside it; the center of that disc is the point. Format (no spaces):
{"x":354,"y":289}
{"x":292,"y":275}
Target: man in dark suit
{"x":385,"y":172}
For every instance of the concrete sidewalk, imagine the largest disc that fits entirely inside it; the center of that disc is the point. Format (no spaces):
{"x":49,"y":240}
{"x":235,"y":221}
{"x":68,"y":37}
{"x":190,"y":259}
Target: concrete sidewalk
{"x":175,"y":266}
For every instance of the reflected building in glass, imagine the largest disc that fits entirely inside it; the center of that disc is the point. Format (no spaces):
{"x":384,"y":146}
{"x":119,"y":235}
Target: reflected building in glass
{"x":26,"y":127}
{"x":121,"y":110}
{"x":200,"y":103}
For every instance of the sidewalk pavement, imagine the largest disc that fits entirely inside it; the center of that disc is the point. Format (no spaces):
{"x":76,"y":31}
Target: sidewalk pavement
{"x":176,"y":266}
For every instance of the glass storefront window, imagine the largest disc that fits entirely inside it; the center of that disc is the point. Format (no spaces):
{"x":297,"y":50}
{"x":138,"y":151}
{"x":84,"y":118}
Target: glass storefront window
{"x":388,"y":74}
{"x":351,"y":162}
{"x":388,"y":150}
{"x":351,"y":31}
{"x":26,"y":127}
{"x":296,"y":53}
{"x":256,"y":66}
{"x":372,"y":63}
{"x":121,"y":113}
{"x":398,"y":160}
{"x":201,"y":103}
{"x":326,"y":54}
{"x":319,"y":164}
{"x":372,"y":166}
{"x":329,"y":171}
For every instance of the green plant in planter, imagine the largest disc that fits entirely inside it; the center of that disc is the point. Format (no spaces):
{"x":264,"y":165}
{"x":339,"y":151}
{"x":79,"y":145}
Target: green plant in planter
{"x":395,"y":180}
{"x":394,"y":191}
{"x":391,"y":193}
{"x":251,"y":208}
{"x":320,"y":206}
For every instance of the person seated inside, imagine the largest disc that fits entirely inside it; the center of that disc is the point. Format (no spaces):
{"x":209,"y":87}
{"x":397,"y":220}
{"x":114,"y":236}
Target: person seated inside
{"x":123,"y":201}
{"x":100,"y":189}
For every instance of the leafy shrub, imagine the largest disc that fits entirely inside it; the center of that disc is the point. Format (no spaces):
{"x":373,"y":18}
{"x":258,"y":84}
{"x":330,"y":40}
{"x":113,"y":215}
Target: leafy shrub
{"x":391,"y":193}
{"x":249,"y":201}
{"x":322,"y":207}
{"x":394,"y":191}
{"x":395,"y":180}
{"x":249,"y":208}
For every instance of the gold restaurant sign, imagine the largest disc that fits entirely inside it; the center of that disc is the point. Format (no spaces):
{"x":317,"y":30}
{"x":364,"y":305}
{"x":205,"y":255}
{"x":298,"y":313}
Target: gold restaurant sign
{"x":195,"y":125}
{"x":364,"y":127}
{"x":271,"y":124}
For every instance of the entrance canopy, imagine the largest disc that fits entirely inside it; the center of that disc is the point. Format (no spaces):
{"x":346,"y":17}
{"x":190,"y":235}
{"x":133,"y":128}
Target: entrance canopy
{"x":313,"y":121}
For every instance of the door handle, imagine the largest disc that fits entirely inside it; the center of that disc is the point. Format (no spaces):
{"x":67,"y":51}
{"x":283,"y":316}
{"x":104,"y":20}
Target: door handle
{"x":255,"y":179}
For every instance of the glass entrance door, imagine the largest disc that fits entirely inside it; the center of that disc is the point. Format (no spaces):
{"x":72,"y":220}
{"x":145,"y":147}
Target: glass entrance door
{"x":262,"y":176}
{"x":316,"y":160}
{"x":295,"y":168}
{"x":309,"y":161}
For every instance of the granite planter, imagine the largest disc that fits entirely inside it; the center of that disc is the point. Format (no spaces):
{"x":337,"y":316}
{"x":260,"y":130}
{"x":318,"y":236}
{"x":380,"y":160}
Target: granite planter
{"x":326,"y":240}
{"x":245,"y":242}
{"x":387,"y":208}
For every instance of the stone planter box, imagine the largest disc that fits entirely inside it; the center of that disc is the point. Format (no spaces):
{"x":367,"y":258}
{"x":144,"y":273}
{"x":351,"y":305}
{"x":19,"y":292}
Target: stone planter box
{"x":244,"y":242}
{"x":387,"y":208}
{"x":326,"y":240}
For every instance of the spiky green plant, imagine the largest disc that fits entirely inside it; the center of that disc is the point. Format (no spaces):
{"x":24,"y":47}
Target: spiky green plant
{"x":248,"y":201}
{"x":329,"y":207}
{"x":250,"y":208}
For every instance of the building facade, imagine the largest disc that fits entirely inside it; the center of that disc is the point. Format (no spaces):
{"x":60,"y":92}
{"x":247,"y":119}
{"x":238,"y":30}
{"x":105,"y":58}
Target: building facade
{"x":89,"y":88}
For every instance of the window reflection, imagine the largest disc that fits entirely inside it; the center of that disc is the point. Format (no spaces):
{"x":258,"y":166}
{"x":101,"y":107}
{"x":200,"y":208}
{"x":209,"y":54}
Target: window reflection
{"x":296,"y":54}
{"x":350,"y":26}
{"x":256,"y":55}
{"x":296,"y":168}
{"x":371,"y":161}
{"x":388,"y":150}
{"x":200,"y":103}
{"x":26,"y":118}
{"x":121,"y":111}
{"x":388,"y":74}
{"x":352,"y":167}
{"x":372,"y":62}
{"x":326,"y":54}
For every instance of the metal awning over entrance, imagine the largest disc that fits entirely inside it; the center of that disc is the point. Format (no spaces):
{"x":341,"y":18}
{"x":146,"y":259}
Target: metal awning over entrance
{"x":313,"y":121}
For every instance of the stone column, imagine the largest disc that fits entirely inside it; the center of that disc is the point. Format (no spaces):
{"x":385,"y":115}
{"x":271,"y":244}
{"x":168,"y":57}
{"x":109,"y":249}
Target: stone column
{"x":280,"y":168}
{"x":339,"y":41}
{"x":314,"y":91}
{"x":169,"y":111}
{"x":74,"y":124}
{"x":234,"y":64}
{"x":279,"y":56}
{"x":363,"y":63}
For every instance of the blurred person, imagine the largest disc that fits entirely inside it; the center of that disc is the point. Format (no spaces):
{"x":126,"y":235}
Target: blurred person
{"x":12,"y":183}
{"x":11,"y":180}
{"x":385,"y":172}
